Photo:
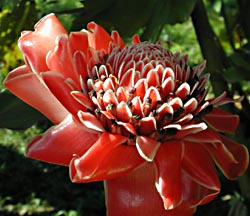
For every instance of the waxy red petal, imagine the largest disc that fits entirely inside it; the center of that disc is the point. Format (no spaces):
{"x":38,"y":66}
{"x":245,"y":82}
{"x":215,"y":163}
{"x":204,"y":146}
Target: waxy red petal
{"x":35,"y":45}
{"x":168,"y":161}
{"x":147,"y":125}
{"x":50,"y":26}
{"x":123,"y":112}
{"x":190,"y":129}
{"x":98,"y":39}
{"x":147,"y":147}
{"x":195,"y":194}
{"x":57,"y":85}
{"x":200,"y":166}
{"x":109,"y":157}
{"x":40,"y":97}
{"x":90,"y":121}
{"x":60,"y":59}
{"x":117,"y":39}
{"x":232,"y":158}
{"x":61,"y":143}
{"x":240,"y":154}
{"x":222,"y":121}
{"x":135,"y":194}
{"x":79,"y":42}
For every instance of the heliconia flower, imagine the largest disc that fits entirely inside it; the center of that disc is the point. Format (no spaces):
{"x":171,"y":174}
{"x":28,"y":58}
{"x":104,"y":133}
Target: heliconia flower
{"x":135,"y":115}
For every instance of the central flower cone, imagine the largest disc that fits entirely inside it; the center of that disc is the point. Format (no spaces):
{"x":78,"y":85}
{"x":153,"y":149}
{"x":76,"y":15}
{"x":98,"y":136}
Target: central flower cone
{"x":120,"y":110}
{"x":146,"y":93}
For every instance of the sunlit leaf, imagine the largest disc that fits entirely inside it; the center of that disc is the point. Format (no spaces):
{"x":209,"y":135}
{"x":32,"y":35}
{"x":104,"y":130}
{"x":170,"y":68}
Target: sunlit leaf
{"x":15,"y":19}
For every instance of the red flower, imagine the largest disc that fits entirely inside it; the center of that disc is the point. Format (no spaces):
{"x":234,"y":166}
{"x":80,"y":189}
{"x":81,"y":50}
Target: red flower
{"x":122,"y":109}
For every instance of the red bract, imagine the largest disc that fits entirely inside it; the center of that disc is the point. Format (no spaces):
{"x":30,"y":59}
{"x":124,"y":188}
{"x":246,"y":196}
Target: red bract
{"x":123,"y":112}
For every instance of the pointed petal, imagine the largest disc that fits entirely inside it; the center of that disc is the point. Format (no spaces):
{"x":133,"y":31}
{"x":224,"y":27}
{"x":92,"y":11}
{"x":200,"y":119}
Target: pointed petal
{"x":123,"y":112}
{"x":82,"y":99}
{"x":183,"y":91}
{"x":128,"y":78}
{"x":141,"y":88}
{"x":153,"y":78}
{"x":153,"y":94}
{"x":136,"y":39}
{"x":200,"y":166}
{"x":57,"y":85}
{"x":108,"y":158}
{"x":190,"y":105}
{"x":222,"y":121}
{"x":137,"y":106}
{"x":60,"y":143}
{"x":36,"y":94}
{"x":147,"y":147}
{"x":168,"y":161}
{"x":98,"y":38}
{"x":109,"y":97}
{"x":90,"y":121}
{"x":117,"y":39}
{"x":80,"y":67}
{"x":147,"y":125}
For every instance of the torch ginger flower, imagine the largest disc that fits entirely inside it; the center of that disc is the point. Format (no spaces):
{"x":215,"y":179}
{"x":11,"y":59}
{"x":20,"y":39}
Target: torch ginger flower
{"x":133,"y":115}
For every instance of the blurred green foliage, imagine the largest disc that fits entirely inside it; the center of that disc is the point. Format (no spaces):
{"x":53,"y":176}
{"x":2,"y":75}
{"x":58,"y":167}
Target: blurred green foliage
{"x":215,"y":30}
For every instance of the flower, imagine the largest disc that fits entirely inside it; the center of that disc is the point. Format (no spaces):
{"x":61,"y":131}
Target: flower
{"x":118,"y":108}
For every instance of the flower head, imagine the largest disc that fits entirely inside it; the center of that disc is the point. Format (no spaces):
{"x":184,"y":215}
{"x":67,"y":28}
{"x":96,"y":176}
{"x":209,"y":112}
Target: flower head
{"x":119,"y":106}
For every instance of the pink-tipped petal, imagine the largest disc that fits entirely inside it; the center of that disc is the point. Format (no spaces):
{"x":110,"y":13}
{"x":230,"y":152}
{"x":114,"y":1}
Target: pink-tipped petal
{"x":222,"y":121}
{"x":109,"y":157}
{"x":40,"y":97}
{"x":168,"y":161}
{"x":61,"y":143}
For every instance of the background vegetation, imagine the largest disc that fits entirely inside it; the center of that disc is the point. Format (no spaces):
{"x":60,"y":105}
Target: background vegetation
{"x":215,"y":30}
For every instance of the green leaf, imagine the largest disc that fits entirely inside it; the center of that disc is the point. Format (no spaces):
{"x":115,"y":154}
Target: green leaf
{"x":13,"y":20}
{"x":239,"y":71}
{"x":15,"y":114}
{"x":128,"y":16}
